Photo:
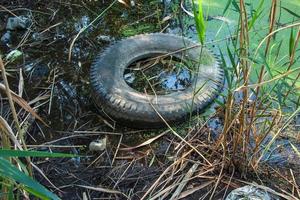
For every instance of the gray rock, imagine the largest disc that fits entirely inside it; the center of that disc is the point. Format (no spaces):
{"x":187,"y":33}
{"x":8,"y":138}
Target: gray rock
{"x":15,"y":23}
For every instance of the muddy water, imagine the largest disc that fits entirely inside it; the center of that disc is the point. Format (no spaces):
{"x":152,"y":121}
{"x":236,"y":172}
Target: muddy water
{"x":67,"y":106}
{"x":45,"y":46}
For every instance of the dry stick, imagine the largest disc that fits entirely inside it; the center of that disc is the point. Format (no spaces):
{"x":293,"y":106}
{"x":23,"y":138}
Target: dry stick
{"x":291,"y":63}
{"x":272,"y":33}
{"x":176,"y":134}
{"x":220,"y":175}
{"x":259,"y":46}
{"x":244,"y":44}
{"x":14,"y":113}
{"x":123,"y":174}
{"x":295,"y":186}
{"x":233,"y":171}
{"x":185,"y":180}
{"x":45,"y":177}
{"x":262,"y":71}
{"x":272,"y":125}
{"x":162,"y":194}
{"x":11,"y":103}
{"x":50,"y":27}
{"x":52,"y":90}
{"x":268,"y":81}
{"x":194,"y":189}
{"x":103,"y":190}
{"x":7,"y":130}
{"x":190,"y":131}
{"x":294,"y":49}
{"x":117,"y":150}
{"x":288,"y":121}
{"x":85,"y":28}
{"x":164,"y":173}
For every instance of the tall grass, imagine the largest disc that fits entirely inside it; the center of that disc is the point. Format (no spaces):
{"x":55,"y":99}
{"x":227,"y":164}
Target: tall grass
{"x":242,"y":118}
{"x":242,"y":126}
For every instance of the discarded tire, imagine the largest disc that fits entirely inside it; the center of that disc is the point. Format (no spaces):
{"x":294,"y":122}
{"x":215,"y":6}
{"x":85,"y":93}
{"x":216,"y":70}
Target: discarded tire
{"x":136,"y":109}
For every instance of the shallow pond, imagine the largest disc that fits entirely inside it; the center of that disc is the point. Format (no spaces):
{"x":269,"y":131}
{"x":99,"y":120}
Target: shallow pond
{"x":60,"y":90}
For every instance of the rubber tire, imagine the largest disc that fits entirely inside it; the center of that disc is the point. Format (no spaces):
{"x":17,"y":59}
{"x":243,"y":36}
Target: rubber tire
{"x":132,"y":108}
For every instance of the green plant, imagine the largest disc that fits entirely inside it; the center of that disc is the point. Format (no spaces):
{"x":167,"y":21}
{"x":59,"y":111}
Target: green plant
{"x":258,"y":72}
{"x":16,"y":178}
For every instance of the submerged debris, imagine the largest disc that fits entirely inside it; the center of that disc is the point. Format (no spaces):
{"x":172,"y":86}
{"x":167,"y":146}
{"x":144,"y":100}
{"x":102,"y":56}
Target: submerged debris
{"x":6,"y":38}
{"x":13,"y":55}
{"x":250,"y":192}
{"x":175,"y":81}
{"x":20,"y":22}
{"x":83,"y":23}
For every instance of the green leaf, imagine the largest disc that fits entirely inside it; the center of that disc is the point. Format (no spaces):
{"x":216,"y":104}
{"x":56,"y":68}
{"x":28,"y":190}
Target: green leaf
{"x":199,"y":20}
{"x":227,"y":6}
{"x":256,"y":14}
{"x":236,"y":6}
{"x":9,"y":171}
{"x":291,"y":42}
{"x":232,"y":60}
{"x":19,"y":153}
{"x":227,"y":71}
{"x":291,"y":12}
{"x":265,"y":62}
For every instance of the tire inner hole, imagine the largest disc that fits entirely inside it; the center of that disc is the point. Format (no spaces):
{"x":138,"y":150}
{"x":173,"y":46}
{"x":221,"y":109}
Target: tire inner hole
{"x":159,"y":75}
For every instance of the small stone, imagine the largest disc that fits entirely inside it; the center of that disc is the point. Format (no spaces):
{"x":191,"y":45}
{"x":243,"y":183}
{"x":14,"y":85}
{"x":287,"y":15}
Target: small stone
{"x":98,"y":145}
{"x":6,"y":38}
{"x":15,"y":23}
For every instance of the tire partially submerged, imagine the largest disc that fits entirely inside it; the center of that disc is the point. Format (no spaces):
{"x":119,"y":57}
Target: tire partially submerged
{"x":135,"y":109}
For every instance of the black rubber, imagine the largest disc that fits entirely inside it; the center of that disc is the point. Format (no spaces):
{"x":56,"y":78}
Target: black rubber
{"x":132,"y":108}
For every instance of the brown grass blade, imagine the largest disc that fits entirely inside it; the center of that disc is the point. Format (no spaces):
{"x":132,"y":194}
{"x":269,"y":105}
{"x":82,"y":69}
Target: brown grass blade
{"x":146,"y":142}
{"x":21,"y":102}
{"x":101,"y":189}
{"x":6,"y":129}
